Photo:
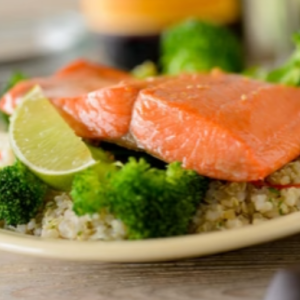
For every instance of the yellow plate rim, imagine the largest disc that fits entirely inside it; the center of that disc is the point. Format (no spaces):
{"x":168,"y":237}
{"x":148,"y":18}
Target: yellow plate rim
{"x":162,"y":249}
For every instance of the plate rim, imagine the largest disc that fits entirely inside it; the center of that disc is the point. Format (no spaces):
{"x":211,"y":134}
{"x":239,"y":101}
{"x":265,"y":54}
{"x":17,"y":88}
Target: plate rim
{"x":152,"y":250}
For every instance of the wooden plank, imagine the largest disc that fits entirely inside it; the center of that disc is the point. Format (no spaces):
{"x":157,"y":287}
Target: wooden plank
{"x":236,"y":275}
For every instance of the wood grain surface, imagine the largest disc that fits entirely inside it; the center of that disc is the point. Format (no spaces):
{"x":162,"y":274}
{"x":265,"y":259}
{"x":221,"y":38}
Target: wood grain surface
{"x":242,"y":274}
{"x":238,"y":275}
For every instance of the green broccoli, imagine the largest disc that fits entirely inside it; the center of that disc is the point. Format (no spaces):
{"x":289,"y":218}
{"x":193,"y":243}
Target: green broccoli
{"x":289,"y":73}
{"x":21,"y":194}
{"x":255,"y":72}
{"x":87,"y":188}
{"x":145,"y":70}
{"x":150,"y":202}
{"x":198,"y":46}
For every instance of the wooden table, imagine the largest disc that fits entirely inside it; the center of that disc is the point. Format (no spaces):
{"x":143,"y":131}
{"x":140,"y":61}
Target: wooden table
{"x":242,"y":274}
{"x":237,"y":275}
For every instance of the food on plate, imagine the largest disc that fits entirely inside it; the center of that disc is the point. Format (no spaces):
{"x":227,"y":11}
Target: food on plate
{"x":226,"y":205}
{"x":7,"y":156}
{"x":21,"y":194}
{"x":193,"y":46}
{"x":134,"y":193}
{"x":219,"y":120}
{"x":235,"y":204}
{"x":195,"y":152}
{"x":104,"y":113}
{"x":15,"y":78}
{"x":58,"y":220}
{"x":145,"y":70}
{"x":71,"y":81}
{"x":77,"y":79}
{"x":287,"y":73}
{"x":95,"y":100}
{"x":43,"y":141}
{"x":227,"y":127}
{"x":147,"y":200}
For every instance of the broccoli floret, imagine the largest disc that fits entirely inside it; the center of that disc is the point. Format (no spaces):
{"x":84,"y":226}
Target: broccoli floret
{"x":21,"y":194}
{"x":198,"y":46}
{"x":255,"y":72}
{"x":289,"y":73}
{"x":150,"y":202}
{"x":145,"y":70}
{"x":87,"y":188}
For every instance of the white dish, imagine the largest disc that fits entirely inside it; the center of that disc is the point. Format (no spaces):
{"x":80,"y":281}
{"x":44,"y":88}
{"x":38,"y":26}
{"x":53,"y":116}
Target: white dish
{"x":155,"y":249}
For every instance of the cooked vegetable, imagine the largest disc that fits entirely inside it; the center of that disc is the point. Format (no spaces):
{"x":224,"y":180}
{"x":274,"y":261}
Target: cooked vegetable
{"x":21,"y":194}
{"x":262,"y":183}
{"x":288,"y":73}
{"x":198,"y":46}
{"x":88,"y":188}
{"x":144,"y":70}
{"x":150,"y":202}
{"x":256,"y":72}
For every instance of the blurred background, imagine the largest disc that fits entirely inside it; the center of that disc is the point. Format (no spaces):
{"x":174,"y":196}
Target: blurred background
{"x":38,"y":37}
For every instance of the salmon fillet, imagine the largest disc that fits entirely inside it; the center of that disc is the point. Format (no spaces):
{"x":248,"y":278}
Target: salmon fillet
{"x":77,"y":78}
{"x":85,"y":69}
{"x":95,"y":100}
{"x":105,"y":113}
{"x":223,"y":126}
{"x":73,"y":88}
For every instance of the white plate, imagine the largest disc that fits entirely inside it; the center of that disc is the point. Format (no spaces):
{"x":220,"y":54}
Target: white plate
{"x":155,"y":249}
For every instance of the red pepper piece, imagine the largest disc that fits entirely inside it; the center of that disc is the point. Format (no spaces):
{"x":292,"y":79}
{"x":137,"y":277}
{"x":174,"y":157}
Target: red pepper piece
{"x":261,"y":183}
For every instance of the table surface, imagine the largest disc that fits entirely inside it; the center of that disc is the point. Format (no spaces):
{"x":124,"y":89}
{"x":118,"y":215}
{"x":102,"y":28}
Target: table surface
{"x":243,"y":274}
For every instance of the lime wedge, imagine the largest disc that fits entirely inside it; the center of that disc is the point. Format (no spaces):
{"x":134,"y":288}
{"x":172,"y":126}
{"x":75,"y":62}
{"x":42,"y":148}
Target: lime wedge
{"x":44,"y":142}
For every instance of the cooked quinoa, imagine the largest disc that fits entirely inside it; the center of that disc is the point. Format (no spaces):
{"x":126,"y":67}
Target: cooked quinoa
{"x":226,"y":205}
{"x":6,"y":154}
{"x":57,"y":220}
{"x":231,"y":204}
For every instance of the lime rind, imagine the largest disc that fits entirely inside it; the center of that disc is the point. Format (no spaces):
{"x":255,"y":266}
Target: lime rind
{"x":44,"y":142}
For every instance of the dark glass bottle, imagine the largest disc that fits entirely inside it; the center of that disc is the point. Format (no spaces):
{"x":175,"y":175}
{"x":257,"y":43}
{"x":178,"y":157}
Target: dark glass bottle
{"x":128,"y":31}
{"x":128,"y":51}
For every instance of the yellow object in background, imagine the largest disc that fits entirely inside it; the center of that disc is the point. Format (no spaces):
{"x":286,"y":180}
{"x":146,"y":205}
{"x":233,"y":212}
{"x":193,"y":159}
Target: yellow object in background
{"x":152,"y":16}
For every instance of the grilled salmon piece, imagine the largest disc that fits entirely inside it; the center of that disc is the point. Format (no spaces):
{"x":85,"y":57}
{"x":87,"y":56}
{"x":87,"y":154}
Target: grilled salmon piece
{"x":223,"y":126}
{"x":77,"y":78}
{"x":95,"y":100}
{"x":69,"y":86}
{"x":105,"y":114}
{"x":85,"y":69}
